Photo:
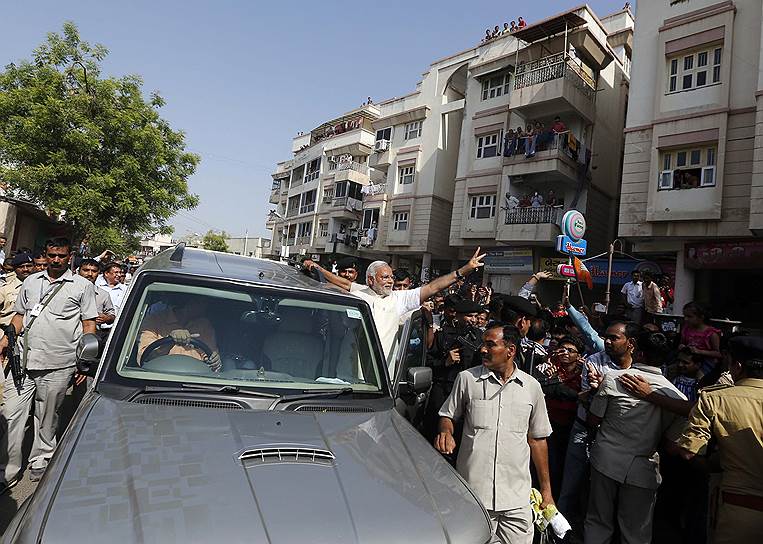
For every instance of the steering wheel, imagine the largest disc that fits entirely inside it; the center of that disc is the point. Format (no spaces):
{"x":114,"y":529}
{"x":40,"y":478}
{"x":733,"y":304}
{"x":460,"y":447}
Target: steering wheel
{"x":156,"y":344}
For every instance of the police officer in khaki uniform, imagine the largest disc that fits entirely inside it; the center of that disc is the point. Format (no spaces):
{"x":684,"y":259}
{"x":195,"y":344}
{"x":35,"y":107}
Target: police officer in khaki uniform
{"x":505,"y":424}
{"x":733,"y":417}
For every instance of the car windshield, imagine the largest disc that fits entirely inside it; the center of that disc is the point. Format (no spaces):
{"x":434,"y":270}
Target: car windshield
{"x":248,"y":336}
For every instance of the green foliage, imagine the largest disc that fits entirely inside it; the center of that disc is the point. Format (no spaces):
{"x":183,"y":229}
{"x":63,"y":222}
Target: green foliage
{"x":215,"y":241}
{"x":95,"y":147}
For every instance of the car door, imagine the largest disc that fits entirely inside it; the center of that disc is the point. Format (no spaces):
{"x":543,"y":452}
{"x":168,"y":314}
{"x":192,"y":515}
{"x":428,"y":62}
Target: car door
{"x":411,"y":352}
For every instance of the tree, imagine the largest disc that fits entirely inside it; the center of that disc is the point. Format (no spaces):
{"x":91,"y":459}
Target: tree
{"x":92,"y":146}
{"x":215,"y":241}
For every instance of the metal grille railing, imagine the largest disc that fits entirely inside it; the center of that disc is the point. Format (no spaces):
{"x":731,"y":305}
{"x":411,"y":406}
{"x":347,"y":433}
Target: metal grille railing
{"x":554,"y":67}
{"x":533,"y":216}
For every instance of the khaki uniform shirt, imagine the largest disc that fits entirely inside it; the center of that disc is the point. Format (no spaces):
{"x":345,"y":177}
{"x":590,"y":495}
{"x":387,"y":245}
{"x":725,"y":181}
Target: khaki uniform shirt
{"x":8,"y":294}
{"x":631,"y":429}
{"x":52,"y":339}
{"x":734,"y":417}
{"x":494,"y":456}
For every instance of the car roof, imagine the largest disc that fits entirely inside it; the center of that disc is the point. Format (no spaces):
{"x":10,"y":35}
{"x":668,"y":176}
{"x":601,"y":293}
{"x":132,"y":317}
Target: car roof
{"x":227,"y":266}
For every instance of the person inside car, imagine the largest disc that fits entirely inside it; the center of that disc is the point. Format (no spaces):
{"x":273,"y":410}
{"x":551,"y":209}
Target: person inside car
{"x":182,"y":320}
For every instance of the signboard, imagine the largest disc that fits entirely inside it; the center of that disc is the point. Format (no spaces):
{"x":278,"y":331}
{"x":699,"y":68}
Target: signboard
{"x":550,"y":264}
{"x":744,"y":254}
{"x":573,"y":225}
{"x":509,"y":261}
{"x":568,"y":246}
{"x":621,"y":270}
{"x":566,"y":270}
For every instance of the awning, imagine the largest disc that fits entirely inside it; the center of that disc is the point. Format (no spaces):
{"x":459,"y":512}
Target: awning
{"x":549,"y":27}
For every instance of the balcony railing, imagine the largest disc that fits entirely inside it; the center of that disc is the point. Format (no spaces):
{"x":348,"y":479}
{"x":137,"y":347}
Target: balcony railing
{"x":340,"y":201}
{"x":374,"y":189}
{"x":276,"y":185}
{"x":291,"y":241}
{"x":301,"y":240}
{"x":352,"y":165}
{"x":565,"y":143}
{"x":307,"y":208}
{"x":551,"y":68}
{"x":291,"y":212}
{"x":533,"y":216}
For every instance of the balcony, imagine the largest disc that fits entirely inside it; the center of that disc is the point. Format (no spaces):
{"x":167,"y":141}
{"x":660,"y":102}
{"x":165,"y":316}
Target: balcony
{"x":553,"y":85}
{"x":558,"y":157}
{"x":307,"y":208}
{"x":381,"y":158}
{"x":275,"y":191}
{"x":533,"y":216}
{"x":534,"y":226}
{"x":352,"y":171}
{"x":303,"y":240}
{"x":374,"y":189}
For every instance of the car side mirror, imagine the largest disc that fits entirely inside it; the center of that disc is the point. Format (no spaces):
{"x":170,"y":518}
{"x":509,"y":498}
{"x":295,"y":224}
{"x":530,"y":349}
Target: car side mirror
{"x":87,"y":352}
{"x":419,"y":379}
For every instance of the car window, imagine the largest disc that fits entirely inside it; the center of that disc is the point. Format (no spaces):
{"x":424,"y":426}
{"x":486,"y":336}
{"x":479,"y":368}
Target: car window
{"x":414,"y":348}
{"x":247,"y":336}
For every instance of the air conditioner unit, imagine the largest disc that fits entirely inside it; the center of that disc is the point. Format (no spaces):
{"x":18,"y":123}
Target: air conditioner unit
{"x":381,"y":145}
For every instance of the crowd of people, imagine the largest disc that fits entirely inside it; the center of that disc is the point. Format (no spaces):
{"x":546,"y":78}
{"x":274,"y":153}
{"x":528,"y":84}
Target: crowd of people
{"x":49,"y":298}
{"x":632,"y":433}
{"x":508,"y":28}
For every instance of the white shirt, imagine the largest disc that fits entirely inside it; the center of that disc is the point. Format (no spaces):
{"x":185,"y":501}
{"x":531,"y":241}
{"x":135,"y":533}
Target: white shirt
{"x":117,"y":294}
{"x":387,"y":311}
{"x":634,"y":294}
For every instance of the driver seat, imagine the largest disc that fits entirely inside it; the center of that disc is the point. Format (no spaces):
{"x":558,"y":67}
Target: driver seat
{"x":294,"y":348}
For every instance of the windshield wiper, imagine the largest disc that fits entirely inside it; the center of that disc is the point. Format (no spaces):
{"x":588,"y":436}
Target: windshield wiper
{"x":313,"y":394}
{"x":195,"y":387}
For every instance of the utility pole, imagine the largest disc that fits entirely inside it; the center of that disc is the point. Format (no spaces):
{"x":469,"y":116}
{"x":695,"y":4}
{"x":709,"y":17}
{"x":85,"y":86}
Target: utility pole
{"x":246,"y":242}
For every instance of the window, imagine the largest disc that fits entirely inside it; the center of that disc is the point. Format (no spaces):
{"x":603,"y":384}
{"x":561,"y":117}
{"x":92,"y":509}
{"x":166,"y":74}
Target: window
{"x":323,"y":229}
{"x":483,"y":207}
{"x":307,"y":203}
{"x":692,"y":71}
{"x":694,"y":168}
{"x":400,"y":221}
{"x":313,"y":170}
{"x":321,"y":323}
{"x":413,"y":130}
{"x":340,"y":189}
{"x":293,"y":206}
{"x":487,"y":146}
{"x":495,"y":86}
{"x":304,"y":229}
{"x":370,"y":216}
{"x":407,"y":174}
{"x":384,"y":134}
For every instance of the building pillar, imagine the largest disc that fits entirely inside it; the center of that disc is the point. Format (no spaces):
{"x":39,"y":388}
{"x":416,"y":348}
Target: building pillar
{"x":395,"y":261}
{"x":684,"y":284}
{"x":426,"y":266}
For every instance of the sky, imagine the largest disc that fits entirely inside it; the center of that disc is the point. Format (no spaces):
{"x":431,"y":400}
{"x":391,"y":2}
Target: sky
{"x":241,"y":78}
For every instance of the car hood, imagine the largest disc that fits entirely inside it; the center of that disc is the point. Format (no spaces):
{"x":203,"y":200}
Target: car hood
{"x":147,"y":473}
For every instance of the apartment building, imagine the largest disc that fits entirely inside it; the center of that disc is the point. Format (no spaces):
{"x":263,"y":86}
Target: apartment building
{"x":692,"y":184}
{"x":570,"y":74}
{"x":318,"y":192}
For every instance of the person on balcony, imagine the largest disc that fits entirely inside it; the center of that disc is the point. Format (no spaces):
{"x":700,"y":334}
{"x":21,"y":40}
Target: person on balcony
{"x":521,"y":24}
{"x":536,"y":201}
{"x":505,"y":28}
{"x":531,"y":138}
{"x":487,"y":36}
{"x":510,"y":143}
{"x":558,"y":127}
{"x":513,"y":27}
{"x":496,"y":32}
{"x":551,"y":198}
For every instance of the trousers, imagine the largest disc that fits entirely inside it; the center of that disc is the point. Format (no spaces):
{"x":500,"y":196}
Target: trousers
{"x":611,"y":502}
{"x":513,"y":526}
{"x":575,"y":472}
{"x":46,"y":388}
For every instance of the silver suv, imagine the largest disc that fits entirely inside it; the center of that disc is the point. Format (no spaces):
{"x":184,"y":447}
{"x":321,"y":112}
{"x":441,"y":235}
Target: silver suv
{"x":238,"y":400}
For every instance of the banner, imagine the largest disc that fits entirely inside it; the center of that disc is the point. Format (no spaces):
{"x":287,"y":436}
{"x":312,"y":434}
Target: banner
{"x":621,"y":270}
{"x":744,"y":254}
{"x":509,"y":261}
{"x":549,"y":264}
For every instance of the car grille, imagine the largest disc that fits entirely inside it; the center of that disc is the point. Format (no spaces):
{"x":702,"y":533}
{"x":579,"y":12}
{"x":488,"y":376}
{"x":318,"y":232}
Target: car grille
{"x":287,"y":454}
{"x":330,"y":408}
{"x":191,"y":403}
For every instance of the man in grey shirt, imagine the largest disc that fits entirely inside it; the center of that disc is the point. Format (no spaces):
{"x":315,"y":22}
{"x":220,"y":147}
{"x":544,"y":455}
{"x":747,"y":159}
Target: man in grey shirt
{"x":625,"y":464}
{"x":54,"y":308}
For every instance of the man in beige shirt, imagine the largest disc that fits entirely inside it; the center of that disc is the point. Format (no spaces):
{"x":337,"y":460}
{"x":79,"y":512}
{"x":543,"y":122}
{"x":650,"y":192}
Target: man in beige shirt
{"x":652,"y":296}
{"x":23,"y":267}
{"x":505,"y":424}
